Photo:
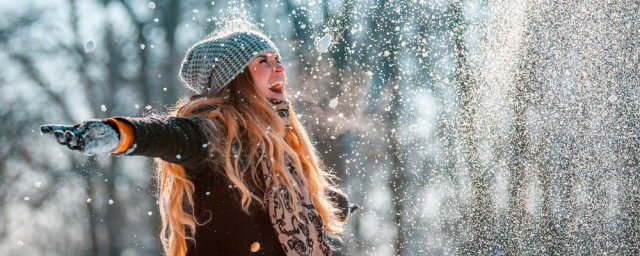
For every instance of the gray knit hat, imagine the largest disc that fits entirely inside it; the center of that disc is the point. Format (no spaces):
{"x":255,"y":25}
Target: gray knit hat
{"x":213,"y":62}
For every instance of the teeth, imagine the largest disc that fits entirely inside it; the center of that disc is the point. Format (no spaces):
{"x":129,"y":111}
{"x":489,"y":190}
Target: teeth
{"x":277,"y":84}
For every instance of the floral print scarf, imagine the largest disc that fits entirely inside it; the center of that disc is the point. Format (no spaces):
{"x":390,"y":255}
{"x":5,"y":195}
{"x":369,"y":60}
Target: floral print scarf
{"x":301,"y":234}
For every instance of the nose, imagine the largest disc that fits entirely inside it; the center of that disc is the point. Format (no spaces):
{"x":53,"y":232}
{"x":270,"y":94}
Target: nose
{"x":278,"y":67}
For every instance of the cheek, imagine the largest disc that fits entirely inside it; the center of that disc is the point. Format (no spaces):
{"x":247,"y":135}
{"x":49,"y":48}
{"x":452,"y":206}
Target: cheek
{"x":261,"y":84}
{"x":259,"y":76}
{"x":262,"y":89}
{"x":261,"y":79}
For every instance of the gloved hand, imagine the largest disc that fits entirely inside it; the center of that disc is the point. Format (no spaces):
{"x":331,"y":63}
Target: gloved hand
{"x":90,"y":137}
{"x":341,"y":200}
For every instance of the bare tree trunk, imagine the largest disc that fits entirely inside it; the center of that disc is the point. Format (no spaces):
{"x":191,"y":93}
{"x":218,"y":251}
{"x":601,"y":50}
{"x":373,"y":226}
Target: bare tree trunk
{"x":397,"y":180}
{"x":516,"y":215}
{"x":384,"y":35}
{"x":479,"y":219}
{"x":171,"y":19}
{"x":94,"y":248}
{"x":628,"y":138}
{"x":544,"y":228}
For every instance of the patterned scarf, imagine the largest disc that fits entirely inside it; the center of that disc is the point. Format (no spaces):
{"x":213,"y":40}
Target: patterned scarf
{"x":298,"y":236}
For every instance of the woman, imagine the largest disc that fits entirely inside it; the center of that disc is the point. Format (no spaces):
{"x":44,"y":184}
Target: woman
{"x":236,"y":171}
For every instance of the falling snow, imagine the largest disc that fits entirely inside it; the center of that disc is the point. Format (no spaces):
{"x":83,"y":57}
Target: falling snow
{"x":459,"y":127}
{"x":333,"y":103}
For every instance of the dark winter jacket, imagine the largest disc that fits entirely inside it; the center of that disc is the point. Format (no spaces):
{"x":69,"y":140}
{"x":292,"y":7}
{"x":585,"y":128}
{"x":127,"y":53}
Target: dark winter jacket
{"x":227,"y":229}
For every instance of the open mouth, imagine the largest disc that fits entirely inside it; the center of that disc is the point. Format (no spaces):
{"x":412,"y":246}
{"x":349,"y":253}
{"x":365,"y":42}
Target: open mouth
{"x":277,"y":87}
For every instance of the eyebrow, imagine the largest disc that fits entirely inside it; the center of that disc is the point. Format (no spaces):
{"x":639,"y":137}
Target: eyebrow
{"x":265,"y":56}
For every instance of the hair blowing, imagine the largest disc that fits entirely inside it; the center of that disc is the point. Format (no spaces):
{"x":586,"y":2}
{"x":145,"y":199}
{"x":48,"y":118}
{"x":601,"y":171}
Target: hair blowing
{"x":252,"y":129}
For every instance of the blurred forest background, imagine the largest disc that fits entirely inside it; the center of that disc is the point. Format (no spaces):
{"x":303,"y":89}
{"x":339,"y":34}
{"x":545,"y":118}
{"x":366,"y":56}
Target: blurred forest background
{"x":459,"y":126}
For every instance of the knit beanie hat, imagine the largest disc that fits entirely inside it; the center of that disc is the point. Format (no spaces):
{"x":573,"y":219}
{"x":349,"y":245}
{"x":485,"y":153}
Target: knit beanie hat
{"x":215,"y":61}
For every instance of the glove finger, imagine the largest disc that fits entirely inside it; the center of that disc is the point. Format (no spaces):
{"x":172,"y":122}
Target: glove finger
{"x":50,"y":128}
{"x":71,"y":139}
{"x":79,"y":142}
{"x":60,"y":137}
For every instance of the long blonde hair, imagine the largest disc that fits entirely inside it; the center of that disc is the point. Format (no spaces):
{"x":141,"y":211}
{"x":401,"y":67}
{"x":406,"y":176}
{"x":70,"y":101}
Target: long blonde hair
{"x":253,"y":129}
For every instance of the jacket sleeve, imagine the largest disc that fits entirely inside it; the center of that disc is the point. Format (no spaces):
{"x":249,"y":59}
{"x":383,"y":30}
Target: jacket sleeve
{"x":180,"y":140}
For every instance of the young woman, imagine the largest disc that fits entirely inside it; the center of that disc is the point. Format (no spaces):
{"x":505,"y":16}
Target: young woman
{"x":236,"y":171}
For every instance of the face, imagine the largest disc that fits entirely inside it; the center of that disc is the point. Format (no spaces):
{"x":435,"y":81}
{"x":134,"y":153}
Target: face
{"x":268,"y":75}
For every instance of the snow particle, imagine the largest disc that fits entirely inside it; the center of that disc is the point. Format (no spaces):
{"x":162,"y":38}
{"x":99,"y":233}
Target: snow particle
{"x":149,"y":213}
{"x":20,"y":243}
{"x":148,"y":107}
{"x":38,"y":184}
{"x":26,"y":198}
{"x":333,"y":103}
{"x":142,"y":46}
{"x":152,"y":5}
{"x":207,"y":193}
{"x":178,"y":156}
{"x":323,"y":44}
{"x":88,"y":200}
{"x":89,"y":46}
{"x":110,"y":201}
{"x":136,"y":106}
{"x":103,"y":108}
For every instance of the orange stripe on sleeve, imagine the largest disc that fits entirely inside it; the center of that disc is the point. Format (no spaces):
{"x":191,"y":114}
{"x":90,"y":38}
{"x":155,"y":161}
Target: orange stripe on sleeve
{"x":126,"y":136}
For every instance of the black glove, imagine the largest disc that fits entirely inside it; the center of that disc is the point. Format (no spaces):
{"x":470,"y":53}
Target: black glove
{"x":343,"y":204}
{"x":90,"y":137}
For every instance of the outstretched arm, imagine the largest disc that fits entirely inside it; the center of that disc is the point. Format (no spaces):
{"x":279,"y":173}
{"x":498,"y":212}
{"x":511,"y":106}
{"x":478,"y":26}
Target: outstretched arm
{"x":173,"y":139}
